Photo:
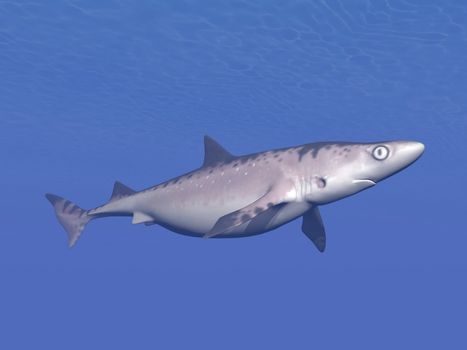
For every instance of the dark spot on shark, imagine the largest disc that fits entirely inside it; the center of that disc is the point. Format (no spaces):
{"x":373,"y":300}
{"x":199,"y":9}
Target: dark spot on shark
{"x":258,"y":210}
{"x":66,"y":204}
{"x":165,"y":185}
{"x":246,"y":217}
{"x":189,"y":176}
{"x":280,"y":159}
{"x":211,"y":171}
{"x":321,"y":182}
{"x":243,"y":160}
{"x":235,"y":165}
{"x":314,"y":148}
{"x":276,"y":156}
{"x":270,"y":204}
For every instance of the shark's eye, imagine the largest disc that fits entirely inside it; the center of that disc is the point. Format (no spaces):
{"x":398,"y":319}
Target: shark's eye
{"x":380,"y":152}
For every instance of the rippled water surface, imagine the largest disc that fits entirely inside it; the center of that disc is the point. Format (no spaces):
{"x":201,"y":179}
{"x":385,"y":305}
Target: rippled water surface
{"x":97,"y":91}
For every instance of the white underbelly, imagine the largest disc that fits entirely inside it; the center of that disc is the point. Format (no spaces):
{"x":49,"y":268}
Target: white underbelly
{"x":198,"y":217}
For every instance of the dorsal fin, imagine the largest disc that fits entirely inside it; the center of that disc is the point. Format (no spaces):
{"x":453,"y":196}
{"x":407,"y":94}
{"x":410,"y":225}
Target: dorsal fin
{"x":213,"y":152}
{"x":120,"y":191}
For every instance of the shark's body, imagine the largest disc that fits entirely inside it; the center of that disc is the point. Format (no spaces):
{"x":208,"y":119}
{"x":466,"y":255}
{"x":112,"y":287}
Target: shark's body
{"x":232,"y":196}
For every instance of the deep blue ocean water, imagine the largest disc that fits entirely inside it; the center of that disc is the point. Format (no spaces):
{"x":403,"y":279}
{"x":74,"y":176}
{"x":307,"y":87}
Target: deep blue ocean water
{"x":97,"y":91}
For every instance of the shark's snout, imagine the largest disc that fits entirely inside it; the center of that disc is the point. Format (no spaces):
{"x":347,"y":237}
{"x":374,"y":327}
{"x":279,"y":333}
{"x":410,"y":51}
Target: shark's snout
{"x":401,"y":155}
{"x":409,"y":152}
{"x":417,"y":149}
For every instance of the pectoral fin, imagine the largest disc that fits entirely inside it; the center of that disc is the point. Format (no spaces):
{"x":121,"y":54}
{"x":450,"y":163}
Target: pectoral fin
{"x":313,"y":228}
{"x":245,"y":214}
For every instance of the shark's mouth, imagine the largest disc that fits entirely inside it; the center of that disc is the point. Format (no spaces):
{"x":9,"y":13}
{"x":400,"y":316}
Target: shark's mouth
{"x":364,"y":181}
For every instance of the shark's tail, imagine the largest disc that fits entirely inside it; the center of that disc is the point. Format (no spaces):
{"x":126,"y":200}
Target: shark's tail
{"x":71,"y":217}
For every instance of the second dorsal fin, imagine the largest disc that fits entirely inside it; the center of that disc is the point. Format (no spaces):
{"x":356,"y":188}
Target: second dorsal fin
{"x":120,"y":191}
{"x":213,"y":152}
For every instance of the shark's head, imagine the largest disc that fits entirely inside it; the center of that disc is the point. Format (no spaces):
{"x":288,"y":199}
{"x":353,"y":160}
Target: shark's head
{"x":342,"y":169}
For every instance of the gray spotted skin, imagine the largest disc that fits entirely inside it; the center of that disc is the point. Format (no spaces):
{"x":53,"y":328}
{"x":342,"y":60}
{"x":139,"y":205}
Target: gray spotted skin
{"x":236,"y":196}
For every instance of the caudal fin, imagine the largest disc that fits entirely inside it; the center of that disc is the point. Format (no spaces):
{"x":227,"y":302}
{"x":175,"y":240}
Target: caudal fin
{"x":71,"y":217}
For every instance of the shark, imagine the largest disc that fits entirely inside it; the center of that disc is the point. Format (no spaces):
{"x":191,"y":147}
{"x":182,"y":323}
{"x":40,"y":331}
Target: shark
{"x":246,"y":195}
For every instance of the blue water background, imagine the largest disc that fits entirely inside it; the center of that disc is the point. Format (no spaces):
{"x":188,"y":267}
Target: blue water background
{"x":97,"y":91}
